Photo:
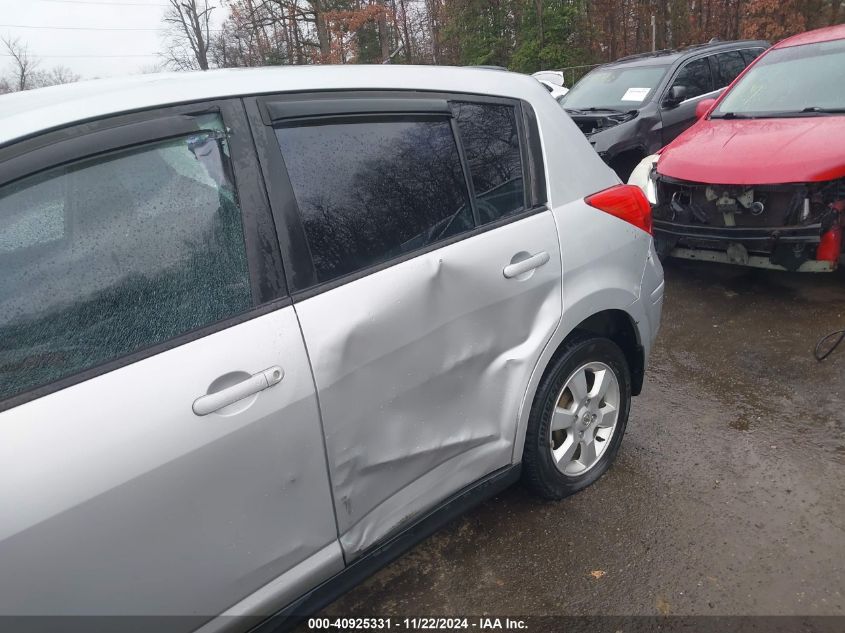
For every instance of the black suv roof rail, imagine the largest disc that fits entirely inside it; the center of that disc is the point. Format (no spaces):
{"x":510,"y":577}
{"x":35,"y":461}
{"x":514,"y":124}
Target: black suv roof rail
{"x":684,"y":49}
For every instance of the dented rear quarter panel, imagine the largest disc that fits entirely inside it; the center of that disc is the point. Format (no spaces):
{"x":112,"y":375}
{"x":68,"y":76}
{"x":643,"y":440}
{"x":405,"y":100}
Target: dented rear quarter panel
{"x":604,"y":259}
{"x":604,"y":263}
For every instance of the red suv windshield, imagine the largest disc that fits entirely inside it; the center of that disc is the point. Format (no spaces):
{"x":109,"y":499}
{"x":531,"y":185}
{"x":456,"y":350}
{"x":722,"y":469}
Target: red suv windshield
{"x":807,"y":80}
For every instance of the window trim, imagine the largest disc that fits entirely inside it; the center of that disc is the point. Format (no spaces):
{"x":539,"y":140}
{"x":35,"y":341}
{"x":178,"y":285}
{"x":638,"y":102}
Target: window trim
{"x":298,"y":265}
{"x":287,"y":111}
{"x":535,"y":164}
{"x":470,"y":186}
{"x":95,"y":143}
{"x":714,"y":69}
{"x":267,"y":280}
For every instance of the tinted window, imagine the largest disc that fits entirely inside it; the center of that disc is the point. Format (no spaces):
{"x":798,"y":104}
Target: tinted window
{"x":104,"y":257}
{"x":371,"y":191}
{"x":750,"y":54}
{"x":490,"y":138}
{"x":727,"y":66}
{"x":695,"y":76}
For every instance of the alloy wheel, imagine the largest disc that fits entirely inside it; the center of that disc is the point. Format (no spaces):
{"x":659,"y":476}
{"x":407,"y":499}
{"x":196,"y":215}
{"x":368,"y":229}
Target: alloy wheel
{"x":584,"y":418}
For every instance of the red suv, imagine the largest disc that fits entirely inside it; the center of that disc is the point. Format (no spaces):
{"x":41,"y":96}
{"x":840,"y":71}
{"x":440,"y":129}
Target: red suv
{"x":759,"y":179}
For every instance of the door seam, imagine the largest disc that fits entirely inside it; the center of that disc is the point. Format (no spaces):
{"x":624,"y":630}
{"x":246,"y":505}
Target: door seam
{"x":322,"y":430}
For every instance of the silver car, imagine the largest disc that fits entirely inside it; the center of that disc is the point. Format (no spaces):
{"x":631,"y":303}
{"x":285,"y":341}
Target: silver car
{"x":261,"y":331}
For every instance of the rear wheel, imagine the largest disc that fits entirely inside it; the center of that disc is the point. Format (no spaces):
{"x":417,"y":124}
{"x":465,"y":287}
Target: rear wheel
{"x":577,"y":419}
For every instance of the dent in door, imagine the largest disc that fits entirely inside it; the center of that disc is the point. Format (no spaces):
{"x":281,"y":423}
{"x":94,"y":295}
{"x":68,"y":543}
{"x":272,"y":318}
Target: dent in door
{"x":420,"y":369}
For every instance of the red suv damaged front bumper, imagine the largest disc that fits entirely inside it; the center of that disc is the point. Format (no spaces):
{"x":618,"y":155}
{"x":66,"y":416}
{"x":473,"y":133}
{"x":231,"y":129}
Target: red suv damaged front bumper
{"x":795,"y":227}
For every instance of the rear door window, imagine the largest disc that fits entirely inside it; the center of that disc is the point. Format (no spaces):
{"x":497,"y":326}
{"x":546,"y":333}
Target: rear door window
{"x":695,"y":77}
{"x":373,"y":190}
{"x":727,"y":66}
{"x":110,"y":255}
{"x":490,"y":139}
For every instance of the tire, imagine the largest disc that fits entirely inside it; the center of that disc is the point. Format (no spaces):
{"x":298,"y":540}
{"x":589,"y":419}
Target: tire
{"x":551,"y":467}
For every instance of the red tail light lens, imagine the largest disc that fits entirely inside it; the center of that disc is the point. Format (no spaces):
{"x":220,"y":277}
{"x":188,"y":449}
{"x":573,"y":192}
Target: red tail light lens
{"x":830,"y":245}
{"x":626,"y":202}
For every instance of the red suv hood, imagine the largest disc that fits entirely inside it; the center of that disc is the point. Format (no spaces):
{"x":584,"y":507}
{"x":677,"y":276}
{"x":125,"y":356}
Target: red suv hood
{"x":758,"y":151}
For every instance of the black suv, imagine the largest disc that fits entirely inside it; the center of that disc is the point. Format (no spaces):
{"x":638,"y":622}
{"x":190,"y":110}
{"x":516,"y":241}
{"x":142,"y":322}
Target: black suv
{"x":632,"y":107}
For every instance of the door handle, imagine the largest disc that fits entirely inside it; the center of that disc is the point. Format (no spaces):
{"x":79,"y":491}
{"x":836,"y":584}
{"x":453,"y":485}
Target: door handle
{"x":212,"y":402}
{"x":526,"y":265}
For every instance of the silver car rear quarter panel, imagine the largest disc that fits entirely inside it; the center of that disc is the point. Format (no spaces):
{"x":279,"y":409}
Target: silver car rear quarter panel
{"x":603,"y":258}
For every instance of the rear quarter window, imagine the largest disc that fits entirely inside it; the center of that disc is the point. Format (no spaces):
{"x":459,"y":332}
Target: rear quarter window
{"x":490,"y":138}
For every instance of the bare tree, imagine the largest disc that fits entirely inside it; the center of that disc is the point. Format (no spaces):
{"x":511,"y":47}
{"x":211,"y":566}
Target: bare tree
{"x":190,"y":21}
{"x":24,"y":65}
{"x":148,"y":69}
{"x":53,"y":77}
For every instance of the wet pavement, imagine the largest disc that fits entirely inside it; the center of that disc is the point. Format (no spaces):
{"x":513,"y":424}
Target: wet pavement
{"x":726,"y":497}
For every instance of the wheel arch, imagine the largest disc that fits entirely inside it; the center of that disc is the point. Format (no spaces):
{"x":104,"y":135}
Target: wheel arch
{"x":618,"y":326}
{"x":615,"y":324}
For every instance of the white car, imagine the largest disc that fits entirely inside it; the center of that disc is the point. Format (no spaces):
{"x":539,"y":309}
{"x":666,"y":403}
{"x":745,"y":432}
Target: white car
{"x":553,"y":81}
{"x":263,"y":330}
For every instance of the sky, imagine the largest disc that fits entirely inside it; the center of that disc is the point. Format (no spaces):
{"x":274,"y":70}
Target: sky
{"x":84,"y":35}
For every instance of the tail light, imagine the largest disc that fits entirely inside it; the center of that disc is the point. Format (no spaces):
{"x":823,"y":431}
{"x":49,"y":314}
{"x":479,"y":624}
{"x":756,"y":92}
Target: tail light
{"x":830,"y":245}
{"x":626,"y":202}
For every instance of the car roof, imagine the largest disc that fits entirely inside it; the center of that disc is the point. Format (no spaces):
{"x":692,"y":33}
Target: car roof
{"x":826,"y":34}
{"x":671,"y":55}
{"x":29,"y":112}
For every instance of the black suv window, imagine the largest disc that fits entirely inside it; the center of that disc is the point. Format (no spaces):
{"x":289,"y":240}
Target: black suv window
{"x":371,"y":191}
{"x":727,"y":66}
{"x":107,"y":256}
{"x":750,"y":54}
{"x":695,"y":77}
{"x":490,"y":138}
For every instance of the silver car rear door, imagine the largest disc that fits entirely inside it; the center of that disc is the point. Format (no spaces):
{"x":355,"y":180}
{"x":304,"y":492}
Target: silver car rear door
{"x":424,"y":314}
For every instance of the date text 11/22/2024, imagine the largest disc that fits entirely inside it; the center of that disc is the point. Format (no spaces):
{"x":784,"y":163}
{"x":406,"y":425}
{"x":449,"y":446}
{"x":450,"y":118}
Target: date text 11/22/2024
{"x":429,"y":624}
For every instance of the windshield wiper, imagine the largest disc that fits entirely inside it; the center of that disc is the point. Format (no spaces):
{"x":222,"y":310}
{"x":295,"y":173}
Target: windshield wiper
{"x":594,"y":109}
{"x":782,"y":114}
{"x":730,"y":115}
{"x":821,"y":110}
